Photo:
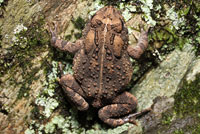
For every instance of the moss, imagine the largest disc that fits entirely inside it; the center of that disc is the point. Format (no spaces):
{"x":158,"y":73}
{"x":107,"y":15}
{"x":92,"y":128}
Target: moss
{"x":3,"y":110}
{"x":35,"y":113}
{"x":3,"y":4}
{"x":180,"y":131}
{"x":175,"y":22}
{"x":1,"y":1}
{"x":27,"y":45}
{"x":79,"y":23}
{"x":28,"y":79}
{"x":187,"y":102}
{"x":29,"y":42}
{"x":184,"y":116}
{"x":117,"y":3}
{"x":78,"y":35}
{"x":187,"y":98}
{"x":196,"y":130}
{"x":68,"y":37}
{"x":167,"y":118}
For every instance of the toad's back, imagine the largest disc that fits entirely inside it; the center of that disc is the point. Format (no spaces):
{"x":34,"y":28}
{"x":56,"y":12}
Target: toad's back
{"x":102,"y":66}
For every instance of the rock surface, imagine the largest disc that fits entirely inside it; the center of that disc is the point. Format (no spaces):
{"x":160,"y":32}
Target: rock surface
{"x":164,"y":80}
{"x":173,"y":114}
{"x":31,"y":101}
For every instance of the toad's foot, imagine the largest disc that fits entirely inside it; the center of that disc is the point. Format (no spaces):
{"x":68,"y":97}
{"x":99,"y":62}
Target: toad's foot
{"x":131,"y":117}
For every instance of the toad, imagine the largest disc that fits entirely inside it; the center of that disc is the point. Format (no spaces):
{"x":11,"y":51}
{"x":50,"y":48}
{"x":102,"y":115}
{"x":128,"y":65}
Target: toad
{"x":102,"y":67}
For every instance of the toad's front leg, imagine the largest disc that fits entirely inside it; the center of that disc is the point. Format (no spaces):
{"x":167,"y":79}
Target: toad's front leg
{"x":122,"y":105}
{"x":64,"y":45}
{"x":74,"y":92}
{"x":138,"y":50}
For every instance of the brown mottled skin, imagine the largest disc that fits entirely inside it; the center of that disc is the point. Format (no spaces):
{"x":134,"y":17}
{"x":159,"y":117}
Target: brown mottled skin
{"x":102,"y":68}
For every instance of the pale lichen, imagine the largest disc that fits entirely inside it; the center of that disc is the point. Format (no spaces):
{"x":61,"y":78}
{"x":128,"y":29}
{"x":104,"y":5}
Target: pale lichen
{"x":174,"y":17}
{"x":19,"y":28}
{"x":48,"y":103}
{"x":65,"y":124}
{"x":127,"y":10}
{"x":126,"y":14}
{"x":45,"y":98}
{"x":29,"y":131}
{"x":97,"y":129}
{"x":97,"y":5}
{"x":146,"y":8}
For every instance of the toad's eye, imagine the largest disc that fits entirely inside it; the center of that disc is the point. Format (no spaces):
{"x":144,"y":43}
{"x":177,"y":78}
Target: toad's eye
{"x":117,"y":27}
{"x":96,"y":22}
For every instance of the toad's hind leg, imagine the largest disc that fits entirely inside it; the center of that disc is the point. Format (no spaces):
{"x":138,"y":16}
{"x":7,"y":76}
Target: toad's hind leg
{"x":123,"y":105}
{"x":74,"y":92}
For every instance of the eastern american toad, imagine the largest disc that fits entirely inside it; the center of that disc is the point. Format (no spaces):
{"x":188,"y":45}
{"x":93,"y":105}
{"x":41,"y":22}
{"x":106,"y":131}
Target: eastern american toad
{"x":102,"y":68}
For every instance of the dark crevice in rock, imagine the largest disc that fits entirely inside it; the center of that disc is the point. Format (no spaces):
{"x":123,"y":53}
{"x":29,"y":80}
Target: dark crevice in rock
{"x":2,"y":110}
